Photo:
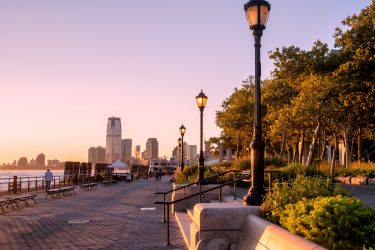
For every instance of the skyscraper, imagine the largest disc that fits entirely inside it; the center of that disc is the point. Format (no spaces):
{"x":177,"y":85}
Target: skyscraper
{"x":113,"y":141}
{"x":152,"y":149}
{"x":126,"y":150}
{"x":191,"y":152}
{"x":137,"y":152}
{"x":40,"y":160}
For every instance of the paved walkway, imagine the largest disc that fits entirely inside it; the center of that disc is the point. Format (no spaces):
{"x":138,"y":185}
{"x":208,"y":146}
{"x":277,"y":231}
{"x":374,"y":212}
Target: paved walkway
{"x":107,"y":218}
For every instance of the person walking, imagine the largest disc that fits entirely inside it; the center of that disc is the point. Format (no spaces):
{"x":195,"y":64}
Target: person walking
{"x":48,"y":176}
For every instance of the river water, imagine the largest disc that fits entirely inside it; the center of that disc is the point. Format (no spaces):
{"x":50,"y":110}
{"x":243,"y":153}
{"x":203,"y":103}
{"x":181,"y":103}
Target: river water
{"x":6,"y":174}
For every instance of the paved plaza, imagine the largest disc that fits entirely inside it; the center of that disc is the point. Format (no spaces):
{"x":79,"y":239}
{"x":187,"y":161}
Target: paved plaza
{"x":110,"y":217}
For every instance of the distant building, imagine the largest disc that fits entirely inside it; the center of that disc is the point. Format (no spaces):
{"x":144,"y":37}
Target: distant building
{"x":113,"y":141}
{"x":126,"y":150}
{"x":191,"y":153}
{"x":96,"y":155}
{"x":52,"y":163}
{"x":32,"y":162}
{"x":137,"y":152}
{"x":152,"y":149}
{"x":22,"y":162}
{"x":40,"y":160}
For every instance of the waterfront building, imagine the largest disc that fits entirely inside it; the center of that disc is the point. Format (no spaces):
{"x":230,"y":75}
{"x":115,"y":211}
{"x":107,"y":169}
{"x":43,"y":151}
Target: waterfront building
{"x":53,"y":162}
{"x":137,"y":152}
{"x":22,"y":162}
{"x":40,"y":160}
{"x":152,"y":149}
{"x":164,"y":164}
{"x":126,"y":150}
{"x":113,"y":140}
{"x":96,"y":155}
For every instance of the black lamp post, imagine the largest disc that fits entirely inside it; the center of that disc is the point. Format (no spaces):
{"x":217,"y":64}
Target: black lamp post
{"x":182,"y":132}
{"x":257,"y":15}
{"x":179,"y":149}
{"x":201,"y":102}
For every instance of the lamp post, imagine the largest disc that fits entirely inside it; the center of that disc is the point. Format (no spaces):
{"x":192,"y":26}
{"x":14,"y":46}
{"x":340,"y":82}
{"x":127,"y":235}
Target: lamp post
{"x":182,"y":132}
{"x":201,"y":102}
{"x":179,"y":148}
{"x":257,"y":14}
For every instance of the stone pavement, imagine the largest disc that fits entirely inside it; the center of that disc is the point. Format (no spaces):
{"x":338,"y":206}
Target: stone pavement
{"x":107,"y":218}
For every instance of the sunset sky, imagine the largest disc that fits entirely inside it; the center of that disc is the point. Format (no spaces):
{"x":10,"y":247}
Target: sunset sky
{"x":66,"y":66}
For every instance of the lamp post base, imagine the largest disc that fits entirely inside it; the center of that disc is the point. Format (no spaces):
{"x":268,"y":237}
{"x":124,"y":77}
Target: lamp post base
{"x":254,"y":197}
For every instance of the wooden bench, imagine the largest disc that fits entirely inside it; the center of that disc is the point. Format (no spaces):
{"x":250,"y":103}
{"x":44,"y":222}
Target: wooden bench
{"x":7,"y":203}
{"x":11,"y":201}
{"x":55,"y":192}
{"x":89,"y":186}
{"x":24,"y":198}
{"x":106,"y":182}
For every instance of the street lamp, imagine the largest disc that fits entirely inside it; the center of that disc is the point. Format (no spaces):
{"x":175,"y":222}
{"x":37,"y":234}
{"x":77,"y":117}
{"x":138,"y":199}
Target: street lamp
{"x":182,"y":132}
{"x":179,"y":149}
{"x":201,"y":102}
{"x":257,"y":14}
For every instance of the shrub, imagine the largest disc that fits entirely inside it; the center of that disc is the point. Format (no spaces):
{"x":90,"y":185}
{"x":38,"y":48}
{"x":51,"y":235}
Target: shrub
{"x":273,"y":161}
{"x":190,"y":175}
{"x":334,"y":222}
{"x":294,"y":169}
{"x":284,"y":193}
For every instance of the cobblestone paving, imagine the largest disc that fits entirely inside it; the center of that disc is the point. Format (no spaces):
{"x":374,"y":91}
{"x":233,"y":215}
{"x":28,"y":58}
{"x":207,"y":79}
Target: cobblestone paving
{"x":107,"y":218}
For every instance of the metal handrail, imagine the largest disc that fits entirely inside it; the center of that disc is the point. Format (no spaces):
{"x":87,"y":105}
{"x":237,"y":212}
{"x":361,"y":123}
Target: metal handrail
{"x":166,"y":204}
{"x":200,"y":187}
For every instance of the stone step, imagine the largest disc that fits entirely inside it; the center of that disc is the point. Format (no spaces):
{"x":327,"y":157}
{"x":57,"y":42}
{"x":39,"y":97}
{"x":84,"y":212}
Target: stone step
{"x":184,"y":221}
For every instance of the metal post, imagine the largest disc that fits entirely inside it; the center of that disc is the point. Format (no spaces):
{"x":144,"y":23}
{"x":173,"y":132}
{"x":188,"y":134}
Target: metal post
{"x":220,"y":195}
{"x":182,"y":153}
{"x":168,"y":243}
{"x":256,"y":192}
{"x":14,"y":184}
{"x":28,"y":184}
{"x":201,"y":157}
{"x":164,"y":209}
{"x":234,"y":186}
{"x":36,"y":183}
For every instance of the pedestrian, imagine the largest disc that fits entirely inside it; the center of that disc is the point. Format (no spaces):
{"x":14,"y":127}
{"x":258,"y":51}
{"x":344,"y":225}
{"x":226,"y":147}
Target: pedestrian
{"x":48,"y":176}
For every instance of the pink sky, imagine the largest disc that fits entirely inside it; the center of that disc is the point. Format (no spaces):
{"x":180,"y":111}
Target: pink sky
{"x":66,"y":66}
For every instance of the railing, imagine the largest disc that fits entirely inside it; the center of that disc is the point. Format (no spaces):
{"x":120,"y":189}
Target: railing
{"x":15,"y":185}
{"x":166,"y":204}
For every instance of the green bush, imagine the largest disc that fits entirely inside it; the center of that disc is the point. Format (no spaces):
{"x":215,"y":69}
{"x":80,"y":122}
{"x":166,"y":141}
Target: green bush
{"x":190,"y":175}
{"x":284,"y":193}
{"x":334,"y":222}
{"x":273,"y":161}
{"x":294,"y":169}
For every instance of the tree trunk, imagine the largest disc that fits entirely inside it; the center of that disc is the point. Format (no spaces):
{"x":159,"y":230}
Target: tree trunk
{"x":312,"y":146}
{"x":282,"y":148}
{"x":301,"y":151}
{"x":334,"y":155}
{"x":324,"y":144}
{"x":359,"y":145}
{"x":289,"y":154}
{"x":238,"y":146}
{"x":295,"y":152}
{"x":347,"y":148}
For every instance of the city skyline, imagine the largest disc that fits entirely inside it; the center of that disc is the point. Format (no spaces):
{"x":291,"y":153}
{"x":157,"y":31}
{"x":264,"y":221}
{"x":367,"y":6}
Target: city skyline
{"x":67,"y":66}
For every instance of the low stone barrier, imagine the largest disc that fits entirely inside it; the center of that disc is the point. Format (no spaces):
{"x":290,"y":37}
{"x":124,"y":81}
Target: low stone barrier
{"x":235,"y":226}
{"x":342,"y":179}
{"x":371,"y":181}
{"x":359,"y":180}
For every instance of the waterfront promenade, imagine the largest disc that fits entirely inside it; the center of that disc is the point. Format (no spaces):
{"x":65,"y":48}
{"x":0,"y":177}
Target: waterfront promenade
{"x":110,"y":217}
